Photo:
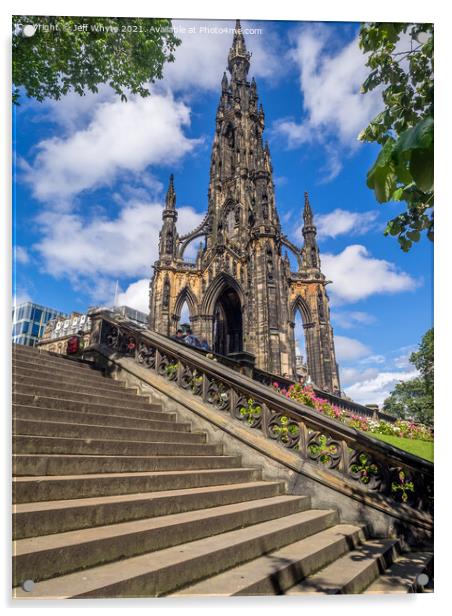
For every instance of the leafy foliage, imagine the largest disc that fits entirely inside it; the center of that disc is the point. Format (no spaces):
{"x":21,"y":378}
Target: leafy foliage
{"x":405,"y":429}
{"x":423,"y":359}
{"x":67,"y":53}
{"x":414,"y":399}
{"x":251,"y":411}
{"x":401,"y":63}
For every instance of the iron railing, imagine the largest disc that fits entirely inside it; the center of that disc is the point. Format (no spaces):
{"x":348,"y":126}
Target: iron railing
{"x":350,"y":407}
{"x":364,"y":464}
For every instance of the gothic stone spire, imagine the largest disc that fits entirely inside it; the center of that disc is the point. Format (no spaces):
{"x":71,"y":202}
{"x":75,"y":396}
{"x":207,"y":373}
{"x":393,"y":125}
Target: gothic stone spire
{"x":310,"y":250}
{"x":170,"y":201}
{"x":168,"y":233}
{"x":239,"y":57}
{"x":245,"y":285}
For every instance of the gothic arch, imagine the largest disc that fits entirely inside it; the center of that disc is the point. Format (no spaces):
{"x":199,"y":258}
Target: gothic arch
{"x":186,"y":295}
{"x":293,"y":249}
{"x":300,"y":304}
{"x":216,"y":287}
{"x":189,"y":240}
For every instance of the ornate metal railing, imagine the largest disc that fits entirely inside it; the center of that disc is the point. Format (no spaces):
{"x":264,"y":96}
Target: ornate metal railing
{"x":364,"y":464}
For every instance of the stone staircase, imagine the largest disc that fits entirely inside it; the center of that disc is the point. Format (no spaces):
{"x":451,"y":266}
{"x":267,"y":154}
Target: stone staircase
{"x":113,"y":497}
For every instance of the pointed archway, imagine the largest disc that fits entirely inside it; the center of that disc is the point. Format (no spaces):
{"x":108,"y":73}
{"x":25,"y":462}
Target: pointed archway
{"x":227,"y":323}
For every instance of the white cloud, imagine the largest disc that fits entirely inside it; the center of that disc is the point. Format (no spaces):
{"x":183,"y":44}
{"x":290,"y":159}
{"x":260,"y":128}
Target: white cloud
{"x":201,"y":59}
{"x":376,"y":389}
{"x":21,"y":255}
{"x":124,"y":246}
{"x":374,"y":359}
{"x":121,"y":137}
{"x":350,"y":375}
{"x":348,"y":349}
{"x":400,"y":357}
{"x":20,"y":297}
{"x":351,"y":319}
{"x":136,"y":296}
{"x":334,"y":109}
{"x":339,"y":222}
{"x":357,"y":275}
{"x":330,"y":84}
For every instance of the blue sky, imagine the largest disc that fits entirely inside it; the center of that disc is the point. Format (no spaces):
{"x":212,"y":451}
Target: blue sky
{"x":91,"y":173}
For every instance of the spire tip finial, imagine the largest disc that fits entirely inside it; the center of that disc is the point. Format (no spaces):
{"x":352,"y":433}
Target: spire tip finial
{"x":239,"y":57}
{"x":307,"y":214}
{"x":170,"y":194}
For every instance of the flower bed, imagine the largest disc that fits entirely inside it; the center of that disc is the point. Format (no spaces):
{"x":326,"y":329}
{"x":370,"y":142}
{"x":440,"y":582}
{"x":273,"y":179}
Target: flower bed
{"x":401,"y":428}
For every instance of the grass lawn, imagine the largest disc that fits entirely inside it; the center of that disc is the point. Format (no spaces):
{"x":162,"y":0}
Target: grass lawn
{"x":423,"y":449}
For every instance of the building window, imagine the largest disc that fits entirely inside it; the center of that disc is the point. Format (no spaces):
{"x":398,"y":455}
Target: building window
{"x":36,"y":314}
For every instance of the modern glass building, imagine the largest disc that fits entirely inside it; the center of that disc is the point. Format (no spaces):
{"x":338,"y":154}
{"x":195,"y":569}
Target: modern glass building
{"x":29,"y":321}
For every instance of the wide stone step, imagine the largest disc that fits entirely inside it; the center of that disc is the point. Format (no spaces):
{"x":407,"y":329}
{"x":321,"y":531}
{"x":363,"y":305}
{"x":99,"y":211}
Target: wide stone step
{"x":55,"y":379}
{"x":34,"y":519}
{"x":90,"y":402}
{"x":39,"y":464}
{"x":44,"y":359}
{"x":71,"y":446}
{"x":44,"y":488}
{"x":154,"y":413}
{"x":120,"y":421}
{"x":402,"y":576}
{"x":22,"y":349}
{"x":162,"y":572}
{"x":40,"y":558}
{"x":86,"y":393}
{"x":23,"y":366}
{"x":352,"y":573}
{"x":99,"y":431}
{"x":274,"y":573}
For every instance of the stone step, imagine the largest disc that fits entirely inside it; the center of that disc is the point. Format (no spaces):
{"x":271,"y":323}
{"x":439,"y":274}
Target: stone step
{"x":24,"y":366}
{"x":274,"y":573}
{"x":155,"y":413}
{"x":100,"y":431}
{"x":87,"y":394}
{"x":402,"y":576}
{"x":66,"y":402}
{"x":53,"y":379}
{"x":352,"y":573}
{"x":157,"y":573}
{"x":38,"y":464}
{"x":41,"y":558}
{"x":29,"y":444}
{"x":43,"y":488}
{"x":45,"y":518}
{"x":45,"y":359}
{"x":120,"y":421}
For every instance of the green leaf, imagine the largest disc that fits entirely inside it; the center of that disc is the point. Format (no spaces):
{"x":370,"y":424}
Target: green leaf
{"x":419,"y":137}
{"x":393,"y":227}
{"x":397,"y":195}
{"x":415,"y":236}
{"x":381,"y":176}
{"x":405,"y":244}
{"x":421,"y":168}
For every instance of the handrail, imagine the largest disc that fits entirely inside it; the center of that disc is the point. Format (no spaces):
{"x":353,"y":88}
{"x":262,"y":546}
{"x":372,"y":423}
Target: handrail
{"x":268,"y":378}
{"x":349,"y":406}
{"x":371,"y":466}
